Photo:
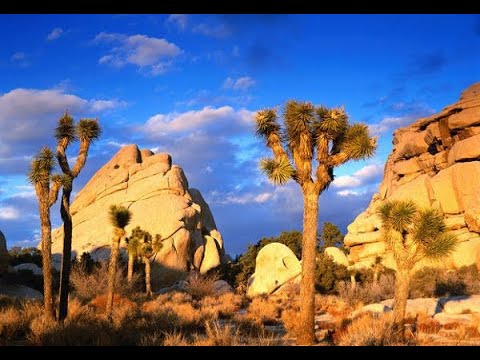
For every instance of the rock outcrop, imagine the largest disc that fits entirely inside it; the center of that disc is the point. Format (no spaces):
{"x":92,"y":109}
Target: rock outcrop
{"x":3,"y":254}
{"x":435,"y":162}
{"x":275,"y":266}
{"x":158,"y":195}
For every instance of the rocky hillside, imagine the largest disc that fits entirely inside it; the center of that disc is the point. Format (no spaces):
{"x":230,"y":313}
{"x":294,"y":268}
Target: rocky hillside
{"x":436,"y":162}
{"x":159,"y":197}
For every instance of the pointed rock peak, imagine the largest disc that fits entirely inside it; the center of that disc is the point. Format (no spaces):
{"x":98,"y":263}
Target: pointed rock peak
{"x":471,"y":91}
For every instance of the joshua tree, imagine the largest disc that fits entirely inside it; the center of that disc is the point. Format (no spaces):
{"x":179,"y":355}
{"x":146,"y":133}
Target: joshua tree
{"x":134,"y":249}
{"x":40,"y":176}
{"x":151,"y":245}
{"x":119,"y":218}
{"x":413,"y":235}
{"x":309,"y":130}
{"x":87,"y":131}
{"x":142,"y":244}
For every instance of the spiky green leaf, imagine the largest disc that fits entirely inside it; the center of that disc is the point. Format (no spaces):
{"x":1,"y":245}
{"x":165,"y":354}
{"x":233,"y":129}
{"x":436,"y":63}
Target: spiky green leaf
{"x":357,"y":143}
{"x":299,"y":117}
{"x":41,"y":166}
{"x":119,"y":216}
{"x":440,"y":247}
{"x":331,"y":122}
{"x":88,"y":130}
{"x":278,"y":171}
{"x":266,"y":123}
{"x":65,"y":129}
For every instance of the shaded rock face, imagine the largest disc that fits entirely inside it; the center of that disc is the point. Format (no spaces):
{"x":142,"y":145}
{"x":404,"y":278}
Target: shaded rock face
{"x":435,"y":162}
{"x":3,"y":254}
{"x":275,"y":266}
{"x":158,"y":195}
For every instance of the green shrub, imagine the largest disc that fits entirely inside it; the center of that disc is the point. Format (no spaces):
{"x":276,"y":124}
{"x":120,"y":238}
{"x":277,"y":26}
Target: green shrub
{"x":19,"y":255}
{"x":328,"y":274}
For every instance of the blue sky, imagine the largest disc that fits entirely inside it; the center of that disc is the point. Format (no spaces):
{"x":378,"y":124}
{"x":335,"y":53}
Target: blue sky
{"x":189,"y":84}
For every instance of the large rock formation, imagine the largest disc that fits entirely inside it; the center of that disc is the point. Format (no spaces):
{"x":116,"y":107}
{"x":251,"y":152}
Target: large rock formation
{"x":158,"y":195}
{"x":275,"y":266}
{"x":3,"y":254}
{"x":435,"y":162}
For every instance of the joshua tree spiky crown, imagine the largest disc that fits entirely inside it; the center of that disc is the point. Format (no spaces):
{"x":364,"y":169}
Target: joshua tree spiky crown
{"x":310,"y":130}
{"x":415,"y":234}
{"x":119,"y":216}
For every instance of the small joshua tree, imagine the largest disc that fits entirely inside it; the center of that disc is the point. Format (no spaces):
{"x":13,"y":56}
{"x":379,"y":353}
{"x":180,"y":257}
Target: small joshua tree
{"x":120,"y":217}
{"x":134,"y":249}
{"x":310,"y":133}
{"x":40,"y":176}
{"x":86,"y":131}
{"x":413,"y":235}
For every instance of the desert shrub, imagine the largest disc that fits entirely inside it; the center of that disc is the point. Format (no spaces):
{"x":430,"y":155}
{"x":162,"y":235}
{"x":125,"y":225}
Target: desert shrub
{"x":16,"y":317}
{"x":199,"y":286}
{"x":19,"y":255}
{"x":217,"y":335}
{"x":367,"y":292}
{"x":264,"y":310}
{"x":290,"y":322}
{"x":431,"y":282}
{"x":369,"y":330}
{"x":175,"y":339}
{"x":244,"y":265}
{"x":328,"y":274}
{"x":223,"y":306}
{"x":88,"y":285}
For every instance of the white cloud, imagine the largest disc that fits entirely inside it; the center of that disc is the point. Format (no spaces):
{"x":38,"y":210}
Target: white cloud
{"x":390,"y":123}
{"x":28,"y":117}
{"x":219,"y":31}
{"x":102,"y":105}
{"x":242,"y":83}
{"x":18,"y":56}
{"x":358,"y":178}
{"x":189,"y":121}
{"x":9,"y":213}
{"x":153,"y":54}
{"x":348,"y":193}
{"x":241,"y":199}
{"x":179,"y":20}
{"x":55,"y":34}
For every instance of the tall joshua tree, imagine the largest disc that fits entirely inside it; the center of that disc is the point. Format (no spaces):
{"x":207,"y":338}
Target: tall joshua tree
{"x":120,"y":217}
{"x":86,"y":131}
{"x":413,"y":235}
{"x":40,"y":176}
{"x":310,"y":133}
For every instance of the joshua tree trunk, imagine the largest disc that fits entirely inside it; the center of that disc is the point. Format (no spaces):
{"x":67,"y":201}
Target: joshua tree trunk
{"x":353,"y":282}
{"x":46,"y":258}
{"x":66,"y":255}
{"x":306,"y":334}
{"x":112,"y":270}
{"x":148,"y":285}
{"x":131,"y":260}
{"x":402,"y":287}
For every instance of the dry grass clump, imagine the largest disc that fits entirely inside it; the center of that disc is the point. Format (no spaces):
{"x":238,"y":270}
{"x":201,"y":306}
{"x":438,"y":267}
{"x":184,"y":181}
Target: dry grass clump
{"x":89,"y":285}
{"x":368,"y":292}
{"x":15,"y":319}
{"x":217,"y":335}
{"x":223,"y":306}
{"x":200,"y":286}
{"x":426,"y":324}
{"x":290,"y":322}
{"x":369,"y":330}
{"x":264,"y":310}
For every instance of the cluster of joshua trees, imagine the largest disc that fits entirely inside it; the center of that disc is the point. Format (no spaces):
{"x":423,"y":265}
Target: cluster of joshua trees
{"x":312,"y":142}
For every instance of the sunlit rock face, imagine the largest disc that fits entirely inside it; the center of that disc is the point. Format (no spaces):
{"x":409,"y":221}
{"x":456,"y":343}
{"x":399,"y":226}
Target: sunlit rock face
{"x":158,"y":195}
{"x":435,"y":162}
{"x":275,"y":266}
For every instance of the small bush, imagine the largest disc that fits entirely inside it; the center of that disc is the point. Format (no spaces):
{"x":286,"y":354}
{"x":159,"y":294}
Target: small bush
{"x":369,"y":330}
{"x":368,"y":292}
{"x":264,"y":310}
{"x":88,"y":285}
{"x":199,"y":286}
